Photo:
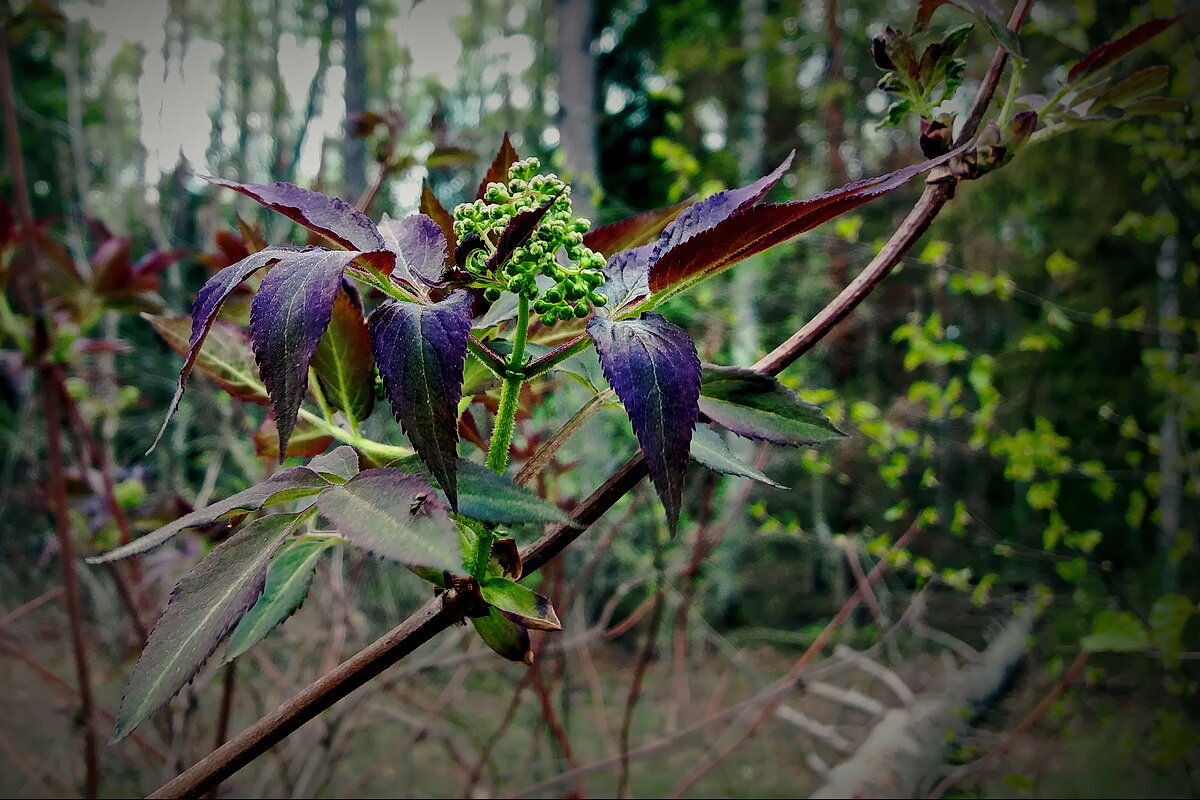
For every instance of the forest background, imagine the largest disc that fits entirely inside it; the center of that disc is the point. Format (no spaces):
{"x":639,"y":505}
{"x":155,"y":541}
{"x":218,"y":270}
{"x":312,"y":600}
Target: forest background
{"x":1021,"y":393}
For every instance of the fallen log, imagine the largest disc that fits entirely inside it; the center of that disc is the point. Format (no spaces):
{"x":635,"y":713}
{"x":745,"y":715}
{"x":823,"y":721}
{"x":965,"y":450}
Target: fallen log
{"x":904,"y":754}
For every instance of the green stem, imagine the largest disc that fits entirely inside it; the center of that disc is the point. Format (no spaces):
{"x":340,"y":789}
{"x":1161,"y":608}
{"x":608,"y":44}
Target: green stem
{"x":378,"y":450}
{"x":497,"y":457}
{"x":1014,"y":86}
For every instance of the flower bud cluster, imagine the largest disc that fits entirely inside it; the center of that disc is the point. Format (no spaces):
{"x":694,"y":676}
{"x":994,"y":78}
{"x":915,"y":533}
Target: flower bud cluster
{"x":575,"y":282}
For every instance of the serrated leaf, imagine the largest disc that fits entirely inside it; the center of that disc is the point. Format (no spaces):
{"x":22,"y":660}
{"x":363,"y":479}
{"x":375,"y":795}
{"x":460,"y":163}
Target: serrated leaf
{"x":394,"y":515}
{"x":288,"y":316}
{"x":307,"y":440}
{"x":208,"y":302}
{"x":421,"y":351}
{"x":631,"y":232}
{"x":205,"y":605}
{"x":758,"y":227}
{"x":1168,"y":617}
{"x":286,"y":485}
{"x":1137,"y":85}
{"x":331,"y":217}
{"x":1102,"y":55}
{"x":289,"y":577}
{"x":339,"y":464}
{"x":432,"y":207}
{"x":709,"y":449}
{"x":520,"y":604}
{"x":420,"y":248}
{"x":1117,"y":632}
{"x":497,"y":172}
{"x":504,"y":636}
{"x":707,"y":213}
{"x":758,"y":406}
{"x":343,"y":362}
{"x":226,"y":356}
{"x":653,"y":367}
{"x":491,"y":497}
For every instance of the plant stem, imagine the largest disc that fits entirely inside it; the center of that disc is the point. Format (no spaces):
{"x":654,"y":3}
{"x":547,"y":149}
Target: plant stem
{"x":379,"y":450}
{"x":497,"y":457}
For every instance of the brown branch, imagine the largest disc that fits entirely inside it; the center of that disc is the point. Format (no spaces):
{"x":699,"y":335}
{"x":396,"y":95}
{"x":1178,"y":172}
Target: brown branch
{"x":29,"y":606}
{"x":52,"y":414}
{"x":228,"y":684}
{"x":432,"y":618}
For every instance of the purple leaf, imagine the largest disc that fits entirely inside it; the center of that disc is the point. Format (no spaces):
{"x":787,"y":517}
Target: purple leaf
{"x":288,"y":316}
{"x":420,"y":248}
{"x":628,"y":281}
{"x":756,"y":228}
{"x":394,"y":515}
{"x":203,"y":609}
{"x":331,"y":217}
{"x":517,"y":231}
{"x":653,"y":367}
{"x":712,"y":210}
{"x":506,"y":156}
{"x":208,"y":302}
{"x":632,"y":232}
{"x":226,"y":356}
{"x":1102,"y":55}
{"x":421,"y":351}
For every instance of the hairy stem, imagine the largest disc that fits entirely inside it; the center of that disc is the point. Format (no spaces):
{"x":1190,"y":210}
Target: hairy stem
{"x":497,"y":457}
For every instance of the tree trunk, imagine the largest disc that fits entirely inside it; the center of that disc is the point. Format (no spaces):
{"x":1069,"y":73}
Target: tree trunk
{"x":354,"y":148}
{"x":577,"y":102}
{"x":904,"y":753}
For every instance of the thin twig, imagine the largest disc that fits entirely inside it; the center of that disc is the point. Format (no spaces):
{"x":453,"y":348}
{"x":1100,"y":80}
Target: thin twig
{"x":227,"y":686}
{"x":29,"y":606}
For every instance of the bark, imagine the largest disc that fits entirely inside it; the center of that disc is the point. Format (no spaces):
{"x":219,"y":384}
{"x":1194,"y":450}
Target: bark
{"x":904,"y":753}
{"x":577,"y":102}
{"x":354,"y":148}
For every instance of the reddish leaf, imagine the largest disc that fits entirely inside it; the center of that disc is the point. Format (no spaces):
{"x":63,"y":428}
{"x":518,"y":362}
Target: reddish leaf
{"x":433,"y":208}
{"x":331,"y":217}
{"x":758,"y":228}
{"x":208,"y":302}
{"x":226,"y":356}
{"x":289,"y":314}
{"x":653,"y":367}
{"x":420,"y":248}
{"x":498,"y":171}
{"x":421,"y":351}
{"x":711,"y":211}
{"x":343,"y":363}
{"x":307,"y":440}
{"x":1103,"y":55}
{"x":632,"y":232}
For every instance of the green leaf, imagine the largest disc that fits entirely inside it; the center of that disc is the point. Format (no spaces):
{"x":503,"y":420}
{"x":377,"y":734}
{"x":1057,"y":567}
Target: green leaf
{"x":1137,"y":85}
{"x":758,"y":406}
{"x":286,"y":485}
{"x":394,"y":515}
{"x":1168,"y":616}
{"x":204,"y":607}
{"x":343,"y":363}
{"x":490,"y":497}
{"x":226,"y":356}
{"x":520,"y":604}
{"x":504,"y":636}
{"x":289,"y":578}
{"x":1118,"y":632}
{"x":339,"y":464}
{"x":709,"y":449}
